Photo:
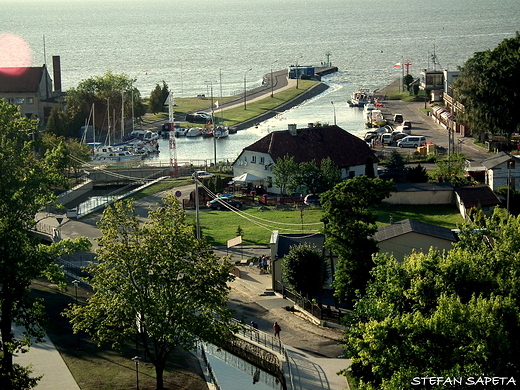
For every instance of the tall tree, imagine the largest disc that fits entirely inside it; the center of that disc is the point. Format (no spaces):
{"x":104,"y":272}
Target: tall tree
{"x":452,"y":314}
{"x":156,"y":102}
{"x":157,"y":275}
{"x":488,"y":89}
{"x":27,"y":186}
{"x":285,"y":173}
{"x":350,"y":223}
{"x":106,"y":94}
{"x":304,"y":269}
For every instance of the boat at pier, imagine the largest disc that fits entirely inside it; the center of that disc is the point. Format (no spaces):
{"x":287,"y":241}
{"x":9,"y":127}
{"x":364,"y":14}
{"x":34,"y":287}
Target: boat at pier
{"x":360,"y":98}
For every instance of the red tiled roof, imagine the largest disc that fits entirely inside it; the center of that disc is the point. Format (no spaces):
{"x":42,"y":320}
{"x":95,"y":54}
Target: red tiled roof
{"x":316,"y":143}
{"x":20,"y":79}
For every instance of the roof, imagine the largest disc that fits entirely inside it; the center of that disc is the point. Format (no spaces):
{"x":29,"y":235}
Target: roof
{"x":472,"y":196}
{"x":316,"y":143}
{"x":498,"y":159}
{"x":417,"y":187}
{"x":285,"y":241}
{"x":26,"y":79}
{"x":406,"y":226}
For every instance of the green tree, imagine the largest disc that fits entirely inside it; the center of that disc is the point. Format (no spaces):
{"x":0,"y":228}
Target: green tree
{"x":417,"y":174}
{"x":305,"y":270}
{"x":449,"y":314}
{"x":27,"y":186}
{"x":156,"y":102}
{"x":349,"y":224}
{"x":105,"y":94}
{"x":331,"y":174}
{"x":76,"y":153}
{"x":395,"y":167}
{"x":158,"y":275}
{"x":285,"y":174}
{"x":451,"y":171}
{"x":59,"y":124}
{"x":487,"y":87}
{"x":407,"y":80}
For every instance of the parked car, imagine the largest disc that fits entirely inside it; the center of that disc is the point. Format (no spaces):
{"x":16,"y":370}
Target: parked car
{"x":407,"y":123}
{"x":404,"y":129}
{"x":312,"y":200}
{"x":387,"y":138}
{"x":224,"y":204}
{"x":398,"y":118}
{"x":396,"y":136}
{"x":370,"y":135}
{"x":198,"y":117}
{"x":202,"y":175}
{"x":412,"y":142}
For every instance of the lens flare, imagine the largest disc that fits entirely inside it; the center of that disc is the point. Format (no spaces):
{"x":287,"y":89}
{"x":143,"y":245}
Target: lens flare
{"x":15,"y":54}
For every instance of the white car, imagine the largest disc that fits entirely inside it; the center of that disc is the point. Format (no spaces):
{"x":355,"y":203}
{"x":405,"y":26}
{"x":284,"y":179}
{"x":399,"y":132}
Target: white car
{"x":202,"y":175}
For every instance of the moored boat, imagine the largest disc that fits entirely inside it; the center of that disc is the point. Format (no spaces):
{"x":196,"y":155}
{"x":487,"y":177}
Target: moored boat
{"x":360,"y":98}
{"x":220,"y":132}
{"x":194,"y":132}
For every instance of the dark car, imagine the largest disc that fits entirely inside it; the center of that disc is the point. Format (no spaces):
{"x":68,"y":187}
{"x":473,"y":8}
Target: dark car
{"x":407,"y":123}
{"x":224,"y":204}
{"x":398,"y":118}
{"x":198,"y":117}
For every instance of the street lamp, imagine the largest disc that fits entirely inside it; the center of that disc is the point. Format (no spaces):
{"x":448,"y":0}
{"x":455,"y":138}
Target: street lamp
{"x":334,"y":107}
{"x":245,"y":86}
{"x":76,"y":282}
{"x":136,"y":360}
{"x":272,"y":84}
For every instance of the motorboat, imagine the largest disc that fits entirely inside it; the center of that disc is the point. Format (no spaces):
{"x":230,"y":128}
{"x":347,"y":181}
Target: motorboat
{"x":360,"y":98}
{"x":180,"y":131}
{"x":112,"y":153}
{"x":145,"y":135}
{"x":220,"y":132}
{"x":194,"y":132}
{"x":376,"y":118}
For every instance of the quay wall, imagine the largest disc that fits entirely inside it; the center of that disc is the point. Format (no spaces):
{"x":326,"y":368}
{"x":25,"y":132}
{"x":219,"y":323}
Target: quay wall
{"x":310,"y":93}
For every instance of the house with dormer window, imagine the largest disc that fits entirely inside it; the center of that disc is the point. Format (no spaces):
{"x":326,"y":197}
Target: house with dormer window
{"x":348,"y":152}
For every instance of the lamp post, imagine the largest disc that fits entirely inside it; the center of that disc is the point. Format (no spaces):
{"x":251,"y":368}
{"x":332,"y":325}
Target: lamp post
{"x":136,"y":360}
{"x":75,"y":282}
{"x":245,"y":86}
{"x":509,"y":163}
{"x":272,"y":83}
{"x":334,"y":108}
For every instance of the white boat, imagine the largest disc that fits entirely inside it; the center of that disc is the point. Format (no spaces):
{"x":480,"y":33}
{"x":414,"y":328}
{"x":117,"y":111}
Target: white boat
{"x":376,"y":118}
{"x":111,"y":153}
{"x":360,"y":98}
{"x":220,"y":132}
{"x":194,"y":132}
{"x":145,"y":135}
{"x":180,"y":131}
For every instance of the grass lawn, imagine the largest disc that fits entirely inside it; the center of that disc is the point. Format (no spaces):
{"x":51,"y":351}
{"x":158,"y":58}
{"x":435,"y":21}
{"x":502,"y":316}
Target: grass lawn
{"x":219,"y":226}
{"x":101,"y":368}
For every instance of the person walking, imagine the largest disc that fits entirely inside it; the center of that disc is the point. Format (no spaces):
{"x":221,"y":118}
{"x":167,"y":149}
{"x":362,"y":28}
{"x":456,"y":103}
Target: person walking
{"x":277,"y":329}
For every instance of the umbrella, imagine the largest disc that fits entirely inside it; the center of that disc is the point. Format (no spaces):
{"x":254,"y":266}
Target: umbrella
{"x":246,"y":177}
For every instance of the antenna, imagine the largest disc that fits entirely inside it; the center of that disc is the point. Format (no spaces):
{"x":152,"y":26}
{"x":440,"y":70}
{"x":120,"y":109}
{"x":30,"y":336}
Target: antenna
{"x":44,"y":53}
{"x":435,"y":60}
{"x":328,"y":54}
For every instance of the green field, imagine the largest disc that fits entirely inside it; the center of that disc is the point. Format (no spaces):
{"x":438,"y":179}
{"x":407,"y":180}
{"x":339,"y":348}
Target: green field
{"x":219,"y":226}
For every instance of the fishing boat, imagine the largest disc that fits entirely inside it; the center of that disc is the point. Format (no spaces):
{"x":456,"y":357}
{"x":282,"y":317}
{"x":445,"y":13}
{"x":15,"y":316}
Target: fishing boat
{"x":360,"y":98}
{"x":376,"y":118}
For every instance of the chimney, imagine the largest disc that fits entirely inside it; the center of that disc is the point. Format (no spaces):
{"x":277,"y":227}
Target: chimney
{"x":292,"y":128}
{"x":310,"y":125}
{"x":56,"y":67}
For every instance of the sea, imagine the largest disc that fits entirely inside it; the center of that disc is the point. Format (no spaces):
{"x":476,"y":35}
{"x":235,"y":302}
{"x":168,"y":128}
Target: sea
{"x":195,"y":45}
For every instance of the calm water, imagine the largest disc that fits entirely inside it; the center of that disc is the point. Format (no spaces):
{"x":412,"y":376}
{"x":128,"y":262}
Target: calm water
{"x":189,"y":43}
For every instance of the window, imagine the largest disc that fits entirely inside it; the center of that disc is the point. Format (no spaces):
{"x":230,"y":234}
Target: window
{"x":19,"y":100}
{"x":262,"y":160}
{"x":253,"y":159}
{"x":10,"y":100}
{"x":29,"y":100}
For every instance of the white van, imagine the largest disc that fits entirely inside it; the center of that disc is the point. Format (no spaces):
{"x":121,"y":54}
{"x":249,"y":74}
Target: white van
{"x":387,"y":138}
{"x":412,"y":141}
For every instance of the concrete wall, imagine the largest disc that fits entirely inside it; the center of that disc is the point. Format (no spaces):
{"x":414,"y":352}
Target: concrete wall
{"x":75,"y":192}
{"x":421,"y":197}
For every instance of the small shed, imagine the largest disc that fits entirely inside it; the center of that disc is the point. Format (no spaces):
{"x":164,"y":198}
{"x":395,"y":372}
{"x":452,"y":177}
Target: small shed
{"x":404,"y":237}
{"x":467,"y":197}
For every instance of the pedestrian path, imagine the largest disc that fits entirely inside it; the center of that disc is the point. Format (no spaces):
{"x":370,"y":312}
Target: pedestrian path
{"x":47,"y":361}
